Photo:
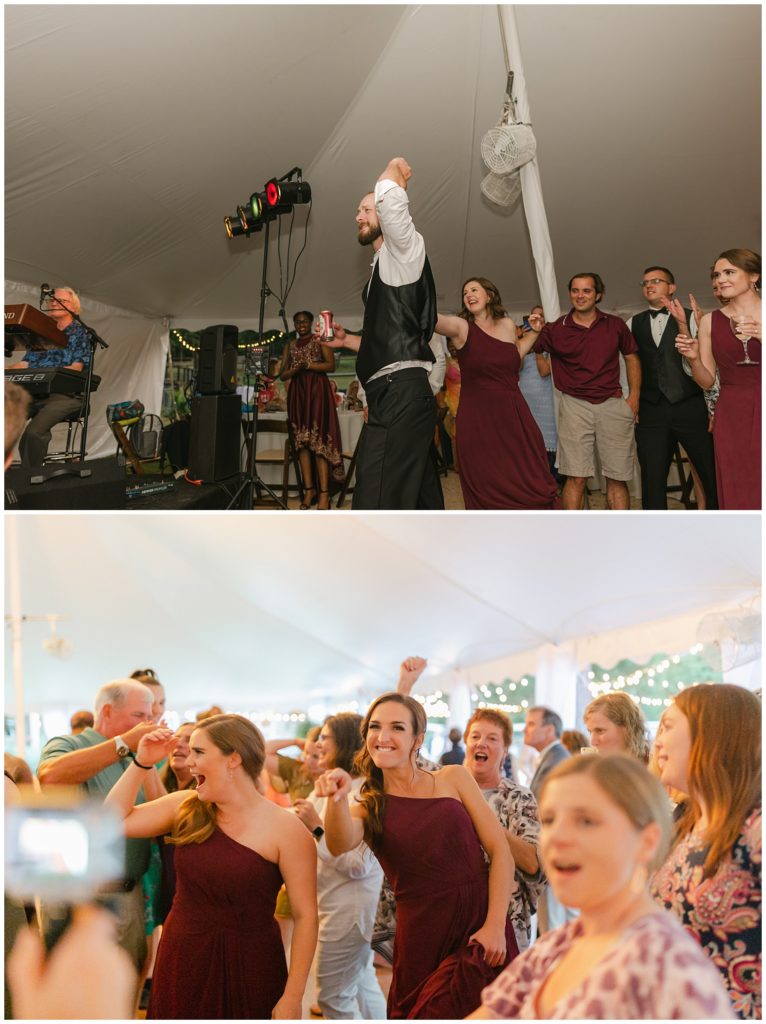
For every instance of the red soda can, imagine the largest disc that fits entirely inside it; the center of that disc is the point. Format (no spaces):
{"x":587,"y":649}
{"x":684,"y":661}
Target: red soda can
{"x":325,"y":324}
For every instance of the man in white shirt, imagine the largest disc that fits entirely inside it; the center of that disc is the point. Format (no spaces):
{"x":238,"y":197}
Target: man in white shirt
{"x":395,"y":469}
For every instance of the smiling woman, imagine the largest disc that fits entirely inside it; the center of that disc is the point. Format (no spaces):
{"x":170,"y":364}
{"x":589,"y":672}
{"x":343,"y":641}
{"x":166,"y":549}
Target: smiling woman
{"x":605,"y":824}
{"x":503,"y":464}
{"x":427,"y":829}
{"x":221,"y":954}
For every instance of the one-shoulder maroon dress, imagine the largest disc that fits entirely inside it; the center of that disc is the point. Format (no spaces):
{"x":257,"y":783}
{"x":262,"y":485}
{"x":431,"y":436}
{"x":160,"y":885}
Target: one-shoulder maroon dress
{"x":221,"y":955}
{"x":737,"y":419}
{"x":431,"y":855}
{"x":503,"y":462}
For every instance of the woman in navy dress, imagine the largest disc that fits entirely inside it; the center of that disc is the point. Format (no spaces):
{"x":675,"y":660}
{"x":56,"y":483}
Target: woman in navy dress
{"x":502,"y":457}
{"x":427,"y":829}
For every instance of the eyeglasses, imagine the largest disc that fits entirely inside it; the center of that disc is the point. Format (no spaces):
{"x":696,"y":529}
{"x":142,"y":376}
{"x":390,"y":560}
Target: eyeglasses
{"x":654,"y":280}
{"x":144,"y":672}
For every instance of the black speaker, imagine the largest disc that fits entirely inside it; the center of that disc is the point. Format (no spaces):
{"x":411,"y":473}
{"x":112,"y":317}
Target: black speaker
{"x":103,"y":489}
{"x":217,"y":366}
{"x":216,"y":437}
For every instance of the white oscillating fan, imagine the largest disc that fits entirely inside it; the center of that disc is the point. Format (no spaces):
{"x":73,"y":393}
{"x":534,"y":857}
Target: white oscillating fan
{"x":502,"y":189}
{"x":511,"y":143}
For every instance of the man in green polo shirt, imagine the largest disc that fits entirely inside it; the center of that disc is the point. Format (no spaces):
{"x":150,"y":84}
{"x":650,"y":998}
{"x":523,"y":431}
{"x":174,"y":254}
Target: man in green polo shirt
{"x":94,"y":760}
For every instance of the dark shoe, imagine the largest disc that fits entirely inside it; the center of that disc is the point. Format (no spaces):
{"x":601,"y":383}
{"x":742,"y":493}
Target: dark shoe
{"x":306,"y":503}
{"x":327,"y":506}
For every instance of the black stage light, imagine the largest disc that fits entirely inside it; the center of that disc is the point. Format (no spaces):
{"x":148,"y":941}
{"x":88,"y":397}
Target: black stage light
{"x":233,"y":226}
{"x":287,"y":192}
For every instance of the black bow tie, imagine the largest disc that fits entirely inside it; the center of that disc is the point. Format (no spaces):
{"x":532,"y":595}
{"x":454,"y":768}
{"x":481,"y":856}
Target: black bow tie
{"x":657,"y":312}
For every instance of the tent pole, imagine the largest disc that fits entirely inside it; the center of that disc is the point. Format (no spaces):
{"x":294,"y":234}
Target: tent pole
{"x":531,"y":186}
{"x":16,"y":618}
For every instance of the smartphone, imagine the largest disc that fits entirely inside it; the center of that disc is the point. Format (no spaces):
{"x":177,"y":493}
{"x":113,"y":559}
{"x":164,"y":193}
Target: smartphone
{"x":525,"y":324}
{"x":61,"y":848}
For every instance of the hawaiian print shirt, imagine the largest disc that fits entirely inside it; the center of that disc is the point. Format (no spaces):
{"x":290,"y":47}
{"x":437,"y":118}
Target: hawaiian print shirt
{"x":516,"y":809}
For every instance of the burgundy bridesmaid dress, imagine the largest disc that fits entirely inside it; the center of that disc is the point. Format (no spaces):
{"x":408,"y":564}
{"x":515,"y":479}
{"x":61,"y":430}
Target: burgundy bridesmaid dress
{"x":431,"y":855}
{"x":737,"y":419}
{"x":503,"y":462}
{"x":221,"y":955}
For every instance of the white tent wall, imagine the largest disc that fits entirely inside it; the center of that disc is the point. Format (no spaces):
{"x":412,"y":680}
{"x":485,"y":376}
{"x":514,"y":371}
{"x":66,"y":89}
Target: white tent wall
{"x":556,"y":667}
{"x":133,"y":366}
{"x":134,"y":129}
{"x":285,"y":613}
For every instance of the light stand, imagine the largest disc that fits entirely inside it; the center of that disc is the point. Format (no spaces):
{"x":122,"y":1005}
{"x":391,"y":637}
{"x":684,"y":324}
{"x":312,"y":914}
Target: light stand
{"x":250,"y":480}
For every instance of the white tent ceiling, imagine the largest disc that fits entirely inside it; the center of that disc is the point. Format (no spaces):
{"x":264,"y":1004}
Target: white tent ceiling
{"x":276,"y":612}
{"x":132,"y":130}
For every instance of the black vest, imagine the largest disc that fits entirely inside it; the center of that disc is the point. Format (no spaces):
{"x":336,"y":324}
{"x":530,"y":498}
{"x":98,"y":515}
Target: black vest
{"x":662,"y":374}
{"x":398,"y":323}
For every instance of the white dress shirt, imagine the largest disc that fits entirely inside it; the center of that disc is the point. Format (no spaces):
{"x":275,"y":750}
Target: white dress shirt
{"x":348,"y":886}
{"x":402,"y":256}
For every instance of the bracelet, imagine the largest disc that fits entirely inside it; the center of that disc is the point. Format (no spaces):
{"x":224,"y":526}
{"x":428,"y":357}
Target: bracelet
{"x":137,"y":763}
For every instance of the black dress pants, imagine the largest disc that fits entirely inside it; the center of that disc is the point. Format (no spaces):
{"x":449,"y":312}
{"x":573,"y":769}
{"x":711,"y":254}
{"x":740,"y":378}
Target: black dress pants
{"x":662,"y":424}
{"x":394,"y":468}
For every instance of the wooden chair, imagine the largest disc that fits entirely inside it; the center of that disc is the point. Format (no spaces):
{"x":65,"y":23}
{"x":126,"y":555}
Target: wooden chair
{"x":281,"y":454}
{"x":686,"y":481}
{"x":349,"y":457}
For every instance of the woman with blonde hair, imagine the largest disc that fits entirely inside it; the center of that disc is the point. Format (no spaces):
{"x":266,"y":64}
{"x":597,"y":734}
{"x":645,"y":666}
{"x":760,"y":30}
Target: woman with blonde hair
{"x":605,"y":826}
{"x":617,"y":726}
{"x":221,"y":954}
{"x":427,"y":829}
{"x":709,"y":747}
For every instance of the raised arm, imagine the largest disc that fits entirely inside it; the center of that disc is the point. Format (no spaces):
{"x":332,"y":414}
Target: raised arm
{"x":344,"y":828}
{"x":453,"y":327}
{"x":271,"y":764}
{"x":297,"y":865}
{"x":410,"y":670}
{"x":502,"y":883}
{"x":77,"y":766}
{"x":698,"y":352}
{"x":156,"y":817}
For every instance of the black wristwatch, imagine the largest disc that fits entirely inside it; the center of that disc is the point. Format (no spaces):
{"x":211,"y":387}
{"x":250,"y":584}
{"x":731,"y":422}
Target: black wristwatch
{"x":317,"y":832}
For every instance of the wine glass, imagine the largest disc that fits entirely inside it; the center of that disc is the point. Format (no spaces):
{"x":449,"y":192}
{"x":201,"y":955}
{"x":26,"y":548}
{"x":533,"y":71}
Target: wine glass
{"x":737,"y":326}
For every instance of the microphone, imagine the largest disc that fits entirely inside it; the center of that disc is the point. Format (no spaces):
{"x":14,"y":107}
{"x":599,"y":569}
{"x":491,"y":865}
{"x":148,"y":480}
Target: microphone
{"x":45,"y":289}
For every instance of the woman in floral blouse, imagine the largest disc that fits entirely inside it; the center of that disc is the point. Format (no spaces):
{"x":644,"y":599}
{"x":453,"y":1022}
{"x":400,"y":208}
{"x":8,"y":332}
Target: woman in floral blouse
{"x":487,"y":738}
{"x":709,"y":747}
{"x":605,"y":824}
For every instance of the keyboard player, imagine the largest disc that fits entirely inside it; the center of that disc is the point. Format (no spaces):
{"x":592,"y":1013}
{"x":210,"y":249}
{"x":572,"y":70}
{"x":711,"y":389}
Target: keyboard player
{"x":47,"y":412}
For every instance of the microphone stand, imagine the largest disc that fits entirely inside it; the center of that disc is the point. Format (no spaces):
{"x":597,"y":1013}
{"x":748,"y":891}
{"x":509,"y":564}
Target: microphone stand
{"x":77,"y":469}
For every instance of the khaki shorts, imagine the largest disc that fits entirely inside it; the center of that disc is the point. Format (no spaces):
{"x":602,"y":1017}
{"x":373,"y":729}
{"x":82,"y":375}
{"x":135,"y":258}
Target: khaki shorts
{"x":608,"y":428}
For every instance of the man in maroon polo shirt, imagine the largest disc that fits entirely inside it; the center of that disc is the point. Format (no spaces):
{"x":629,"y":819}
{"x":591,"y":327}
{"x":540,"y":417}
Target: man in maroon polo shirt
{"x":585,"y":346}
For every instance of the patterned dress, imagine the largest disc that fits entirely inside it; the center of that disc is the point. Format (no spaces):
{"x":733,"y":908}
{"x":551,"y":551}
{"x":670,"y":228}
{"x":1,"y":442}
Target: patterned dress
{"x":311,"y":408}
{"x":516,"y":809}
{"x":722,"y":913}
{"x":654,"y":972}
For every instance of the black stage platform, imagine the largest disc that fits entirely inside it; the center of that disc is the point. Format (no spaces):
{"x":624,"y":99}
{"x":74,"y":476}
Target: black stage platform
{"x":108,"y":487}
